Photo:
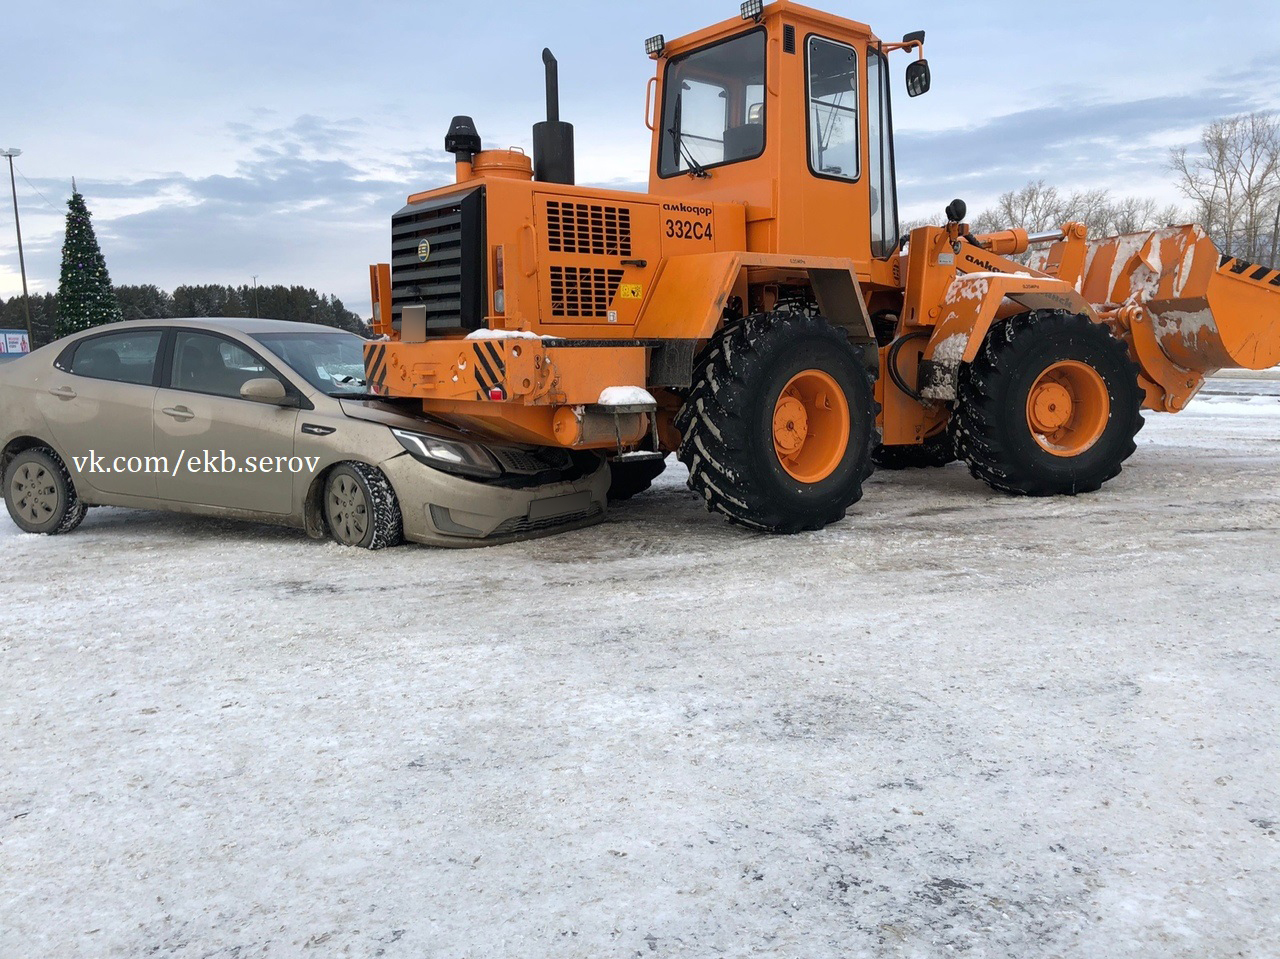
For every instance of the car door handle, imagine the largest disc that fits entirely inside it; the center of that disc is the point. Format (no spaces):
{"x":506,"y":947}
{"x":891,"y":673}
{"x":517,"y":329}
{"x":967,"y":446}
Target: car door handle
{"x":178,"y":412}
{"x":64,"y":393}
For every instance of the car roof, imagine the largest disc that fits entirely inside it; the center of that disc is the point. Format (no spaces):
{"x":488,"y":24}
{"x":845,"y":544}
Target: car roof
{"x":238,"y":324}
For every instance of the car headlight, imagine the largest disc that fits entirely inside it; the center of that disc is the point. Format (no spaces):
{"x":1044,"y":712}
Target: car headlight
{"x":449,"y":455}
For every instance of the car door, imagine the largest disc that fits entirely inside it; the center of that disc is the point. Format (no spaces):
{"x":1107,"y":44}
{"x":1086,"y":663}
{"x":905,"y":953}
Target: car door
{"x":213,"y":440}
{"x":98,"y":402}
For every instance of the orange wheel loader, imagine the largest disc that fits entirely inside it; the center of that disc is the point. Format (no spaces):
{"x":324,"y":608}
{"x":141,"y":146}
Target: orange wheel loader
{"x":757,"y":311}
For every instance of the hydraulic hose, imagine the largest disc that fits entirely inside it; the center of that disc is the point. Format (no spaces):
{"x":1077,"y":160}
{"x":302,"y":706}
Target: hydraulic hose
{"x":892,"y":362}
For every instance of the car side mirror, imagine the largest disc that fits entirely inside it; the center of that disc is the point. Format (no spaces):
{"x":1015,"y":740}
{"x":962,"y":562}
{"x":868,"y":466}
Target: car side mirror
{"x":918,"y":78}
{"x":266,"y":389}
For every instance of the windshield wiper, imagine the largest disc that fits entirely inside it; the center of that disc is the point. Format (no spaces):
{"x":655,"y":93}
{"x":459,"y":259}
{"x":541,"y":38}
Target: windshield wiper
{"x":696,"y":169}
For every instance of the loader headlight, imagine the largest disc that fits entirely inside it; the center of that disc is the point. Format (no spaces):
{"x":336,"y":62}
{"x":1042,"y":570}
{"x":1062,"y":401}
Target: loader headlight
{"x":753,"y":10}
{"x":451,"y":456}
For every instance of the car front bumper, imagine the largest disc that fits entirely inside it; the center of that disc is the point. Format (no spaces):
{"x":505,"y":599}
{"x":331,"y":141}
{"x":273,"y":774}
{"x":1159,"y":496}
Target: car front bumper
{"x":442,"y":509}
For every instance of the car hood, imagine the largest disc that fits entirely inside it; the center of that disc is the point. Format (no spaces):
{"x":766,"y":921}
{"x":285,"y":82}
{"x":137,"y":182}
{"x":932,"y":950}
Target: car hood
{"x":394,"y":416}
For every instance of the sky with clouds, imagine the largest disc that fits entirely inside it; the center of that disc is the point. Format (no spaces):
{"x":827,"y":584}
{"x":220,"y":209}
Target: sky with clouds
{"x":216,"y":141}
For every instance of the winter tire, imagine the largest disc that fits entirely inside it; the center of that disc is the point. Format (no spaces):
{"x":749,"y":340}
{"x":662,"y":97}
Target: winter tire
{"x":361,"y":508}
{"x":40,"y":495}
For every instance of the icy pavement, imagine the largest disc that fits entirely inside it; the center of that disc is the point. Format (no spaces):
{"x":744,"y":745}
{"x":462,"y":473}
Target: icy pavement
{"x":956,"y":723}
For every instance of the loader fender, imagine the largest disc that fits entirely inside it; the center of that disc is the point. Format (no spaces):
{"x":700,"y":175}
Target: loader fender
{"x":973,"y":302}
{"x":691,"y":292}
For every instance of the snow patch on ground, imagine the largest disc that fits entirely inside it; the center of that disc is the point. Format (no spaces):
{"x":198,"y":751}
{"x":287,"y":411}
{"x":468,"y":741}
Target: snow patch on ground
{"x":955,"y":723}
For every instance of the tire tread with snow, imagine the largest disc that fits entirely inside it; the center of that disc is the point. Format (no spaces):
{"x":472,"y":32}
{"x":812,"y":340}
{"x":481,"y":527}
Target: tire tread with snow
{"x":385,"y":526}
{"x":726,"y":420}
{"x":991,"y":429}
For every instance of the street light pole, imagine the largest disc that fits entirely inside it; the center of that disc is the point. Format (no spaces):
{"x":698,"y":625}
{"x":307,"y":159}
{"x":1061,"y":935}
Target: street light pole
{"x":255,"y":294}
{"x":22,"y":263}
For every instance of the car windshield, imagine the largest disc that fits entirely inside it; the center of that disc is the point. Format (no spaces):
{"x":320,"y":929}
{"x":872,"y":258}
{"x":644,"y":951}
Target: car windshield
{"x":331,"y":362}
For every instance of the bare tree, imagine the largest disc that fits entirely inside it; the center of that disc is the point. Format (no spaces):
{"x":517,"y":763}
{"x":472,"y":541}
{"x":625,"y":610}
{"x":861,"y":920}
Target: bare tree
{"x":1132,"y":214}
{"x":1234,"y":184}
{"x":1038,"y":207}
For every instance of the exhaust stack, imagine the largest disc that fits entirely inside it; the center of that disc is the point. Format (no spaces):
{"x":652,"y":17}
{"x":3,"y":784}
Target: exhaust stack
{"x":552,"y":138}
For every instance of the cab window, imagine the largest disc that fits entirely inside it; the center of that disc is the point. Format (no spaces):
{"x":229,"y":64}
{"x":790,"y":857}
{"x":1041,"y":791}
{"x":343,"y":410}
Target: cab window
{"x":203,"y":363}
{"x":833,"y":109}
{"x":120,"y":357}
{"x":713,"y":106}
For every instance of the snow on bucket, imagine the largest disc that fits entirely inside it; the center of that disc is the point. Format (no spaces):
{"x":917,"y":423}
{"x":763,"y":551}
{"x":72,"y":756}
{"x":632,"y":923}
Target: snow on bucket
{"x":1209,"y":311}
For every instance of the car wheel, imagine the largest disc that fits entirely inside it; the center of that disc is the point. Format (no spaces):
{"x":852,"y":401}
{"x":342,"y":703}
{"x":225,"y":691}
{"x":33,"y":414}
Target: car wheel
{"x":361,"y":508}
{"x":40,"y":495}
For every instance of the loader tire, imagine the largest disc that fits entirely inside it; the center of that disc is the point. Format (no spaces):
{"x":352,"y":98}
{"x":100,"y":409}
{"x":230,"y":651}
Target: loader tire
{"x":937,"y":450}
{"x":1049,"y":406}
{"x":631,"y":479}
{"x":779,"y":425}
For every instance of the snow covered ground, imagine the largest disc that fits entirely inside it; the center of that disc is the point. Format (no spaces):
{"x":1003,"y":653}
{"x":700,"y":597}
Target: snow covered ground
{"x":956,"y":723}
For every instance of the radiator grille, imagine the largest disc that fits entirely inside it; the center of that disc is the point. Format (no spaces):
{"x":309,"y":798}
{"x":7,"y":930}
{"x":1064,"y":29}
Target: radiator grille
{"x":588,"y":228}
{"x":583,"y":291}
{"x":515,"y":460}
{"x":519,"y":525}
{"x":449,"y":282}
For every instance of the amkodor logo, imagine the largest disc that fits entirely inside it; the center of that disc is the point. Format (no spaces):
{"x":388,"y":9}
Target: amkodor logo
{"x":424,"y":250}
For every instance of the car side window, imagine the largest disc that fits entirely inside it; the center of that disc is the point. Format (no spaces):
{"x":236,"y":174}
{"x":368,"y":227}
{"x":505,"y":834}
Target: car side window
{"x":120,"y":357}
{"x":210,"y":364}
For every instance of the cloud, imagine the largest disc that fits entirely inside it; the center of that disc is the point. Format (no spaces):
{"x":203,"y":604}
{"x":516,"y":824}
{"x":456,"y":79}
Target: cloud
{"x":301,"y":205}
{"x":1073,"y":143}
{"x":308,"y":198}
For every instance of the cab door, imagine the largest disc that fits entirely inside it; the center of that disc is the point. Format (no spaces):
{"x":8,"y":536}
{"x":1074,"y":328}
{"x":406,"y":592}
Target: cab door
{"x":97,"y":402}
{"x":212,"y":439}
{"x":837,"y":195}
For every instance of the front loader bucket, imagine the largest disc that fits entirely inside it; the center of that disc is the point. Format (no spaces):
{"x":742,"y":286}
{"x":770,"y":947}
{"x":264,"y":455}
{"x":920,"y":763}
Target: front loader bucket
{"x":1208,"y":311}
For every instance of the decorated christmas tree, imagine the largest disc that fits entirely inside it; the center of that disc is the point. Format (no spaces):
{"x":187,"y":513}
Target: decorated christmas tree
{"x":85,"y":297}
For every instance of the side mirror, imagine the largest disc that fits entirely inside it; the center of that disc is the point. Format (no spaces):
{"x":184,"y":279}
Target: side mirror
{"x":918,"y":78}
{"x":265,"y":389}
{"x":755,"y":113}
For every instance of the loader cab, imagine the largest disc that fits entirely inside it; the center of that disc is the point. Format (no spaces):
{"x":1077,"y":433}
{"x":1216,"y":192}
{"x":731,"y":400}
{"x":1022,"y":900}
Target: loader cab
{"x":788,"y":109}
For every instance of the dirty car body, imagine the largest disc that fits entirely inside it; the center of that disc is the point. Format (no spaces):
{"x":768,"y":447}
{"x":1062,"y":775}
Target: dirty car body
{"x":168,"y":393}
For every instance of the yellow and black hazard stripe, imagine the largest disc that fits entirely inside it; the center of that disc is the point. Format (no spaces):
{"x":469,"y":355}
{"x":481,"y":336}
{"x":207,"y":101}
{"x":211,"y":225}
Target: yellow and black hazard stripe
{"x":1263,"y":274}
{"x":375,"y":365}
{"x":491,"y":367}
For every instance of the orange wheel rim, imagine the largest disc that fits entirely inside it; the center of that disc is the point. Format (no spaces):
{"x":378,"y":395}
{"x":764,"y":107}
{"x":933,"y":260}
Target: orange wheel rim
{"x":1068,"y":408}
{"x":811,"y":426}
